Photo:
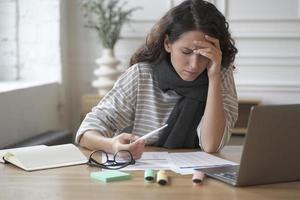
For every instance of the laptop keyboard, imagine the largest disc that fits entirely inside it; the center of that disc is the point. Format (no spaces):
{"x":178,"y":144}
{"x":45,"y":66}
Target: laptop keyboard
{"x":228,"y":175}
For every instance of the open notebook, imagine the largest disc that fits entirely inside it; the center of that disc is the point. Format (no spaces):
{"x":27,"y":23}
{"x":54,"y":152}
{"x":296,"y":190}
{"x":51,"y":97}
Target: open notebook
{"x":44,"y":157}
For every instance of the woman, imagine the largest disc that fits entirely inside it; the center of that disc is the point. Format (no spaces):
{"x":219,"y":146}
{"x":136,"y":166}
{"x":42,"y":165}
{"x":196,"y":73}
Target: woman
{"x":181,"y":76}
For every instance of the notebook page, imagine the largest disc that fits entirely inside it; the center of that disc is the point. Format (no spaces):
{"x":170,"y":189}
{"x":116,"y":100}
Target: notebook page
{"x":53,"y":156}
{"x":21,"y":149}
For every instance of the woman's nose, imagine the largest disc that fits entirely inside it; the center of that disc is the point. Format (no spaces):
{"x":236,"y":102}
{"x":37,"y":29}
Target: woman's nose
{"x":194,"y":61}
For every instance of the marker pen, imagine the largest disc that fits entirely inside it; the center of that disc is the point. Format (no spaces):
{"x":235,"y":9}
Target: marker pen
{"x":198,"y":177}
{"x":162,"y":177}
{"x":149,"y":175}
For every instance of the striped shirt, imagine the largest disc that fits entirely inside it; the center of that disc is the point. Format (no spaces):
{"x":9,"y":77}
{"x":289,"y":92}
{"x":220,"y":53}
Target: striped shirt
{"x":135,"y":100}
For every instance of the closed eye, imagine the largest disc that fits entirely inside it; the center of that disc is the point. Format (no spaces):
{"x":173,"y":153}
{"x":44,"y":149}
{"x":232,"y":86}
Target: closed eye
{"x":186,"y":51}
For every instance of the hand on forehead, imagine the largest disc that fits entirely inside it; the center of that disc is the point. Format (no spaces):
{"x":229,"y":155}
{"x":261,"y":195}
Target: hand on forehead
{"x":207,"y":41}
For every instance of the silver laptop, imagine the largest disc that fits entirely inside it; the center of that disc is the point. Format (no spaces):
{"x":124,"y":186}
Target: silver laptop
{"x":271,"y":151}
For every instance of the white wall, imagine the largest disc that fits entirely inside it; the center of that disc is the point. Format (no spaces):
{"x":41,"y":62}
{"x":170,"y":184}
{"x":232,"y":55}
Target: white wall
{"x":8,"y":44}
{"x":267,"y":35}
{"x":268,"y":38}
{"x":31,"y":99}
{"x":27,"y":112}
{"x":29,"y":40}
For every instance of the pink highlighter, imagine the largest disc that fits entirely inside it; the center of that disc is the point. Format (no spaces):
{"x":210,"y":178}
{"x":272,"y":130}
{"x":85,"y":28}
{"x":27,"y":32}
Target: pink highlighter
{"x":198,"y":177}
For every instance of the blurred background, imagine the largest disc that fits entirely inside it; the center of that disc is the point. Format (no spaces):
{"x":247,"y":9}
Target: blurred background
{"x":47,"y":59}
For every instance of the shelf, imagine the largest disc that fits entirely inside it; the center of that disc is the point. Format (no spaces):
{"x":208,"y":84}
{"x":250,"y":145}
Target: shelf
{"x":239,"y":131}
{"x":244,"y":112}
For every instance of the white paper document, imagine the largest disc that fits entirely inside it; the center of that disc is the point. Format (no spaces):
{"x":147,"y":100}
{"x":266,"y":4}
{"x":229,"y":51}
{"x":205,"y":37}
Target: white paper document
{"x":185,"y":163}
{"x":150,"y":160}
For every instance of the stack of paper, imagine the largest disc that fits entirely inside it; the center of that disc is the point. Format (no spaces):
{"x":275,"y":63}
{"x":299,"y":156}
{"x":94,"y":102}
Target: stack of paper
{"x":151,"y":160}
{"x":183,"y":163}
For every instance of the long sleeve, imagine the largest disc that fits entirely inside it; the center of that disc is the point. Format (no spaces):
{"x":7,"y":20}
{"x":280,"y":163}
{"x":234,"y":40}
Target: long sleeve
{"x":116,"y":109}
{"x":230,"y":105}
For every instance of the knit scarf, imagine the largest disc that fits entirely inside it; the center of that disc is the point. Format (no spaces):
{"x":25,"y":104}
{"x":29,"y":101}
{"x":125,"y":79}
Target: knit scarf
{"x":185,"y":117}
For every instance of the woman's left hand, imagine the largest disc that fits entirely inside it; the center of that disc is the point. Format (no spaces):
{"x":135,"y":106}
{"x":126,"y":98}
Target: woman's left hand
{"x":210,"y":49}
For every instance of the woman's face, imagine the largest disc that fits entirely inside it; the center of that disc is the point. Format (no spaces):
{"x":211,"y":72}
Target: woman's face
{"x":186,"y":63}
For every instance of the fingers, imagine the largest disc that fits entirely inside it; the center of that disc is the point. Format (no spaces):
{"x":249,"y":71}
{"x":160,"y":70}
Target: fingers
{"x":210,"y":42}
{"x":204,"y":48}
{"x":126,"y":138}
{"x":209,"y":48}
{"x":211,"y":53}
{"x":203,"y":44}
{"x":206,"y":52}
{"x":130,"y":142}
{"x":137,"y":148}
{"x":134,"y":138}
{"x":120,"y":142}
{"x":213,"y":40}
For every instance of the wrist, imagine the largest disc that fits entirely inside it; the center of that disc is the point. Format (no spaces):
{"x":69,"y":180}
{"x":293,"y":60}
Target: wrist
{"x":114,"y":144}
{"x":215,"y":77}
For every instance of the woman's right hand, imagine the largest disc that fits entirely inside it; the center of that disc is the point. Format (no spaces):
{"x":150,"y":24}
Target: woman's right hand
{"x":130,"y":142}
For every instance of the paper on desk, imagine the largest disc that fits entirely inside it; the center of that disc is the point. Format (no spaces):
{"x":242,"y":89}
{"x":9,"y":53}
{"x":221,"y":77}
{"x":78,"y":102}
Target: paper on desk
{"x":185,"y":163}
{"x":150,"y":160}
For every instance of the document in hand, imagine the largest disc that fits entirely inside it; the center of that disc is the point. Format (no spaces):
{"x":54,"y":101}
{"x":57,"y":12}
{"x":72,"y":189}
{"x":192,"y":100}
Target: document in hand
{"x":45,"y":157}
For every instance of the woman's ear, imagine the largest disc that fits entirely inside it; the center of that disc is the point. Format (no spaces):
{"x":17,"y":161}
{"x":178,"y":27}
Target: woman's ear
{"x":167,"y":44}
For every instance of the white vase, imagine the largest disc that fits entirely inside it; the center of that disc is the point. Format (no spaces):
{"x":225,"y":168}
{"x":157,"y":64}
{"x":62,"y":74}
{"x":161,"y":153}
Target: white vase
{"x":107,"y":72}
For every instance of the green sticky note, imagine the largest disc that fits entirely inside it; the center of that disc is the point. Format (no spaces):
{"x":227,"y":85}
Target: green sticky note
{"x":111,"y":175}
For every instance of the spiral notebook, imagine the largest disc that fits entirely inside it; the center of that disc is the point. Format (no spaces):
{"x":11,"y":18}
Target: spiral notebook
{"x":44,"y":157}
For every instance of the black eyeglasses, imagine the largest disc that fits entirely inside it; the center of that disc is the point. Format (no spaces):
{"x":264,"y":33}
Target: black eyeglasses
{"x":120,"y":160}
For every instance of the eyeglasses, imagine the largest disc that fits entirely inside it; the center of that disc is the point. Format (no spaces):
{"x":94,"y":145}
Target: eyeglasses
{"x":100,"y":158}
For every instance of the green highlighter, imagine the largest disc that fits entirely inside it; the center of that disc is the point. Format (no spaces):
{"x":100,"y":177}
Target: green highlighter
{"x":111,"y":175}
{"x":149,"y":175}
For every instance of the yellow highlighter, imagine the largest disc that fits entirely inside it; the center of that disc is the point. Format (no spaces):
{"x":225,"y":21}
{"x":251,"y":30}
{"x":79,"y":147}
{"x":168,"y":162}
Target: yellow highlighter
{"x":162,"y":177}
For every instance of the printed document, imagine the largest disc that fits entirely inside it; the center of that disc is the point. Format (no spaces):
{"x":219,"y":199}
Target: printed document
{"x":150,"y":160}
{"x":185,"y":163}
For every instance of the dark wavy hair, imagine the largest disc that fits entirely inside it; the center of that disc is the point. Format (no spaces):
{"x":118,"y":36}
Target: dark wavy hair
{"x":190,"y":15}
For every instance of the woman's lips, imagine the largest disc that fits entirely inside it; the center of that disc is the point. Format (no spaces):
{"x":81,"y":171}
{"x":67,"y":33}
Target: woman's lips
{"x":190,"y":72}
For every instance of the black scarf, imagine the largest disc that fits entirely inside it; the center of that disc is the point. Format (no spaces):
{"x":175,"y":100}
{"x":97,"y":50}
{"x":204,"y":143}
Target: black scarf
{"x":186,"y":115}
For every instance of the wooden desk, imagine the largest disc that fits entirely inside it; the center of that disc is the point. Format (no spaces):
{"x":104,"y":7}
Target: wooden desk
{"x":74,"y":183}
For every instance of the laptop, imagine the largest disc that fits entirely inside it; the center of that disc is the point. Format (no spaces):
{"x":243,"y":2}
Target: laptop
{"x":271,"y":152}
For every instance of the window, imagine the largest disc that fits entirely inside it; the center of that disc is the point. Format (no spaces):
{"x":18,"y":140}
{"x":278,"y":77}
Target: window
{"x":30,"y":40}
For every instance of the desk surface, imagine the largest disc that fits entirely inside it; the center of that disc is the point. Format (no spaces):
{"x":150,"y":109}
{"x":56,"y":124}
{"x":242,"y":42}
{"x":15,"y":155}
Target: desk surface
{"x":74,"y":183}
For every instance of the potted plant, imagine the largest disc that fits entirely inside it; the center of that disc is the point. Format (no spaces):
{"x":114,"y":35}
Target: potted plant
{"x":106,"y":17}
